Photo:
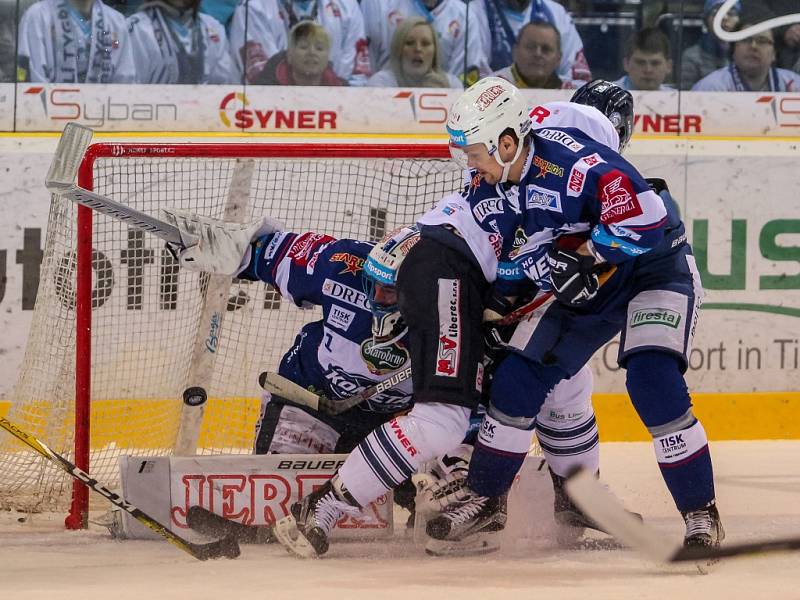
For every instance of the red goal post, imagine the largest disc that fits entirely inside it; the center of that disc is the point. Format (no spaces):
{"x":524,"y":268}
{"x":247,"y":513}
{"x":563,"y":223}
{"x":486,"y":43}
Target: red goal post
{"x":117,"y":327}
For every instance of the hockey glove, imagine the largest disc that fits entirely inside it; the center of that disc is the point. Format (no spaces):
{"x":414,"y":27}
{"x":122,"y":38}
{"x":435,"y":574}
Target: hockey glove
{"x":574,"y":276}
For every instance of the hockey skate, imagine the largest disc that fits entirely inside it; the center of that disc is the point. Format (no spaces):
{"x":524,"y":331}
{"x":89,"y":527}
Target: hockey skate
{"x":305,"y":531}
{"x":468,"y":527}
{"x":703,"y":527}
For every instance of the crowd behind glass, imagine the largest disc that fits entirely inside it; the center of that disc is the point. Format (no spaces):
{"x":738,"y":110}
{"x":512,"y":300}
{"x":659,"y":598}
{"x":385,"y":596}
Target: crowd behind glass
{"x":641,"y":44}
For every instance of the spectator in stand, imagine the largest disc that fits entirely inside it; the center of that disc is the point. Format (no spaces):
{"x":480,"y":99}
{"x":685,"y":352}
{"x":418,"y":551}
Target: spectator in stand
{"x":647,"y":61}
{"x":305,"y":62}
{"x":176,"y":44}
{"x":8,"y":44}
{"x":221,"y":10}
{"x":752,"y":68}
{"x":501,"y":20}
{"x":710,"y":53}
{"x":787,"y":38}
{"x":449,"y":20}
{"x":267,"y":23}
{"x":537,"y":54}
{"x":414,"y":59}
{"x":74,"y":41}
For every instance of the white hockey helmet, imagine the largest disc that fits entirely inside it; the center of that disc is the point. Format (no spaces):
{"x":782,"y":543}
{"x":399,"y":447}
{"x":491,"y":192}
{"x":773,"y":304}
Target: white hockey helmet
{"x":481,"y":115}
{"x":381,"y":268}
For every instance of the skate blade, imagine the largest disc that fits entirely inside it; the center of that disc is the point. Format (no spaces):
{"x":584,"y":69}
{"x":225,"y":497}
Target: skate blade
{"x":474,"y":545}
{"x":290,"y":537}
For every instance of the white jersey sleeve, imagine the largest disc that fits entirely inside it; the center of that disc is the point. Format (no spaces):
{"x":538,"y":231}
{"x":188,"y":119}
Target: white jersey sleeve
{"x":573,"y":62}
{"x":343,"y":21}
{"x":33,"y":47}
{"x":219,"y":67}
{"x":266,"y":36}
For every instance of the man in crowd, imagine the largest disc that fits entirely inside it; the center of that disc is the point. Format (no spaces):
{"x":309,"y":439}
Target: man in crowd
{"x":537,"y":55}
{"x":647,"y":61}
{"x":74,"y":41}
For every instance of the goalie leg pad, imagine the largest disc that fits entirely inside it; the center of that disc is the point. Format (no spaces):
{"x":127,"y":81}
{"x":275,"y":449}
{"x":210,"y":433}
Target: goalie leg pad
{"x":288,"y":428}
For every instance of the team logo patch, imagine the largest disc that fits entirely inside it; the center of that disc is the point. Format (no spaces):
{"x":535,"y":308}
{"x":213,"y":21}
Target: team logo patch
{"x":546,"y":167}
{"x":618,"y":200}
{"x":490,"y":206}
{"x":306,"y":245}
{"x":340,"y":318}
{"x":541,"y":198}
{"x":384,"y":359}
{"x":352,"y":263}
{"x":559,"y":137}
{"x":577,"y":175}
{"x":449,"y":350}
{"x":656,"y":316}
{"x":345,"y":293}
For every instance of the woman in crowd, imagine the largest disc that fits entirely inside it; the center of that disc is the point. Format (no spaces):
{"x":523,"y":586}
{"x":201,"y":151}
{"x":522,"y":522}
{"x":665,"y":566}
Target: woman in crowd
{"x":414,"y":59}
{"x":306,"y":61}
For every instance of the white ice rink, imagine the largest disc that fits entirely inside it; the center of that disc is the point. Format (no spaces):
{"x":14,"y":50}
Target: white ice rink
{"x":758,"y":491}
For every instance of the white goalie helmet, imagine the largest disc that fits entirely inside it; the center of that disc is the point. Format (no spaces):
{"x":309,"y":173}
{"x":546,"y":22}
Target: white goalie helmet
{"x":380,"y":273}
{"x":480,"y":116}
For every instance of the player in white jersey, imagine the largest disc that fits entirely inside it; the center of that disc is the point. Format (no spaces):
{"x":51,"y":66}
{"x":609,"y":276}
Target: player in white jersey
{"x":177,"y":44}
{"x":267,"y":22}
{"x":74,"y":41}
{"x":501,"y":20}
{"x":447,"y":17}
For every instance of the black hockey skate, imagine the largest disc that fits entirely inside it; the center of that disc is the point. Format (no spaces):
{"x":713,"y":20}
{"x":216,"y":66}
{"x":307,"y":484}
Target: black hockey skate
{"x":305,"y":532}
{"x":475,"y":514}
{"x":703,"y":527}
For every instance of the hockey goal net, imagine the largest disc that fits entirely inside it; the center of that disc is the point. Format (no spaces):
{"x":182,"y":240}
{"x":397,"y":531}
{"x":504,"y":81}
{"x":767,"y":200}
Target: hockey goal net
{"x":116,"y":324}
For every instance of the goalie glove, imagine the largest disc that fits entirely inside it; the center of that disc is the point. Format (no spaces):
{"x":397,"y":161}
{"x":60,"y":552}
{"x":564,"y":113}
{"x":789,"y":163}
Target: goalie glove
{"x":443,"y":483}
{"x":574,"y":276}
{"x":215,"y":246}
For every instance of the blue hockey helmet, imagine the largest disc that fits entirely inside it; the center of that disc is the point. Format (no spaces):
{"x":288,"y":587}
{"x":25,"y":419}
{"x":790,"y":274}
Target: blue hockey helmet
{"x":380,"y":281}
{"x":614,"y":102}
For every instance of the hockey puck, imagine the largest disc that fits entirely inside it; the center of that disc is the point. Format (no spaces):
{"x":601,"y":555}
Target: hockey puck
{"x":194,"y":396}
{"x":262,"y":379}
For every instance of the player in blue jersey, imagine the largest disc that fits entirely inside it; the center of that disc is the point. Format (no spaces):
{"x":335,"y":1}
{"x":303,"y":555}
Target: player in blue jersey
{"x":587,"y":214}
{"x":336,"y":355}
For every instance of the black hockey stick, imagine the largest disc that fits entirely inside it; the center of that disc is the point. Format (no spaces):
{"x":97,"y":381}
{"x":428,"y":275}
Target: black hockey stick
{"x":596,"y":501}
{"x":211,"y":524}
{"x":226,"y":547}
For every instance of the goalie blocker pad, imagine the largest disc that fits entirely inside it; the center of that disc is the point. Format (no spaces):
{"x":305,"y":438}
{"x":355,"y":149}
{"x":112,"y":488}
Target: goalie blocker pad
{"x":252,"y":490}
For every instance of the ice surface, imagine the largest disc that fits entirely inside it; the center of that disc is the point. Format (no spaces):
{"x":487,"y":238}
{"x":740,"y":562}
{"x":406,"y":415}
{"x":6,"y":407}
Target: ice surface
{"x":758,"y":490}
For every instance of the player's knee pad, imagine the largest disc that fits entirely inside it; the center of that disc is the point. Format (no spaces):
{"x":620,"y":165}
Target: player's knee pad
{"x":287,"y":428}
{"x":657,"y":387}
{"x":566,"y":426}
{"x":396,"y":449}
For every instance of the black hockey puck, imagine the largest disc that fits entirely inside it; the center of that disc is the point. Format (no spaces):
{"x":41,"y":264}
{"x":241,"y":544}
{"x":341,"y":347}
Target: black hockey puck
{"x":194,"y":396}
{"x":262,"y":379}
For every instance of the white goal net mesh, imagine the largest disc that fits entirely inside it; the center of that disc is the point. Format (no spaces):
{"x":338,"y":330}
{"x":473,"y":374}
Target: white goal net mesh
{"x":145,"y":316}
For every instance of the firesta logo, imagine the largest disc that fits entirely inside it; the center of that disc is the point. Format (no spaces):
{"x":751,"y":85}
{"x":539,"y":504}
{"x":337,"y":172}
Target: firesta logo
{"x":245,"y":117}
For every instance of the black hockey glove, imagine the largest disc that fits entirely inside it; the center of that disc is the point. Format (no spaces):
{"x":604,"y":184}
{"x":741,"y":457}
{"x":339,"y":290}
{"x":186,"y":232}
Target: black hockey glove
{"x":574,"y":276}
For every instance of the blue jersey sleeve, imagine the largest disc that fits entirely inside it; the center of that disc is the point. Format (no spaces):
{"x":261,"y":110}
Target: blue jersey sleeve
{"x":299,"y":264}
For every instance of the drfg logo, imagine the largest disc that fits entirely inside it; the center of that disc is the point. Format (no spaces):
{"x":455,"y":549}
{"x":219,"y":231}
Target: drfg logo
{"x":428,"y":107}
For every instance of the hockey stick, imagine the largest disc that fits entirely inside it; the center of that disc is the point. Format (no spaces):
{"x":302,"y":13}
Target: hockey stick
{"x":596,"y":501}
{"x":211,"y":524}
{"x":61,"y":181}
{"x":226,"y":547}
{"x":277,"y":384}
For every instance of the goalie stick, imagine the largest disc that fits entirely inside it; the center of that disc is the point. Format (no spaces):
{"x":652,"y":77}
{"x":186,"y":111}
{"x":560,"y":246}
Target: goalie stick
{"x":596,"y":501}
{"x":226,"y":547}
